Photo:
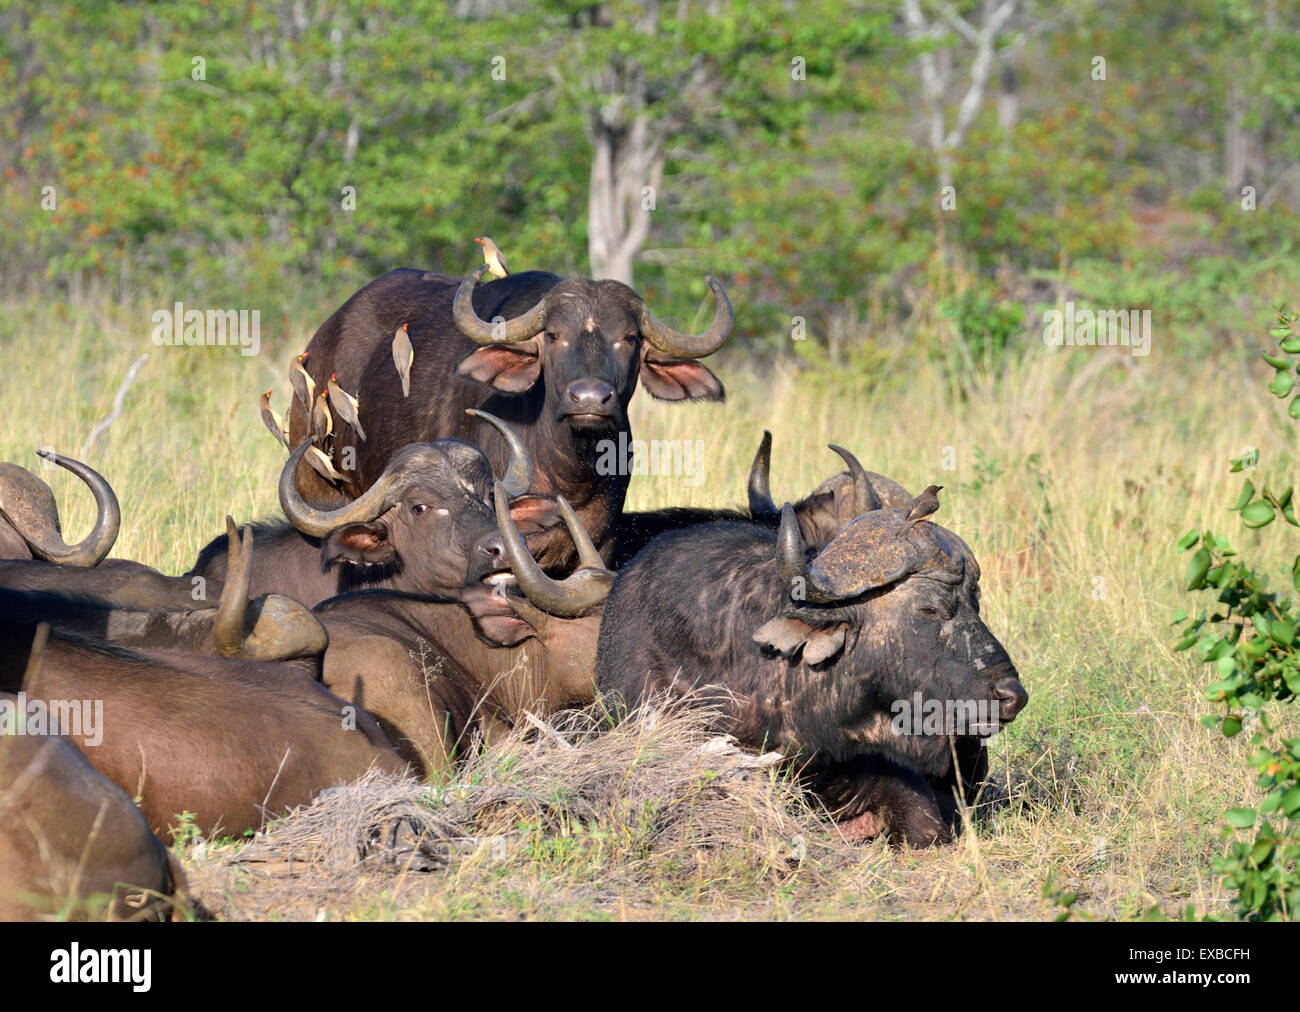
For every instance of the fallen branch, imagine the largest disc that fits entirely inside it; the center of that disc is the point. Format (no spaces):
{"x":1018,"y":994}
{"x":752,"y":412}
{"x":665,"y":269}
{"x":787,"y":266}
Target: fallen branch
{"x":117,"y":406}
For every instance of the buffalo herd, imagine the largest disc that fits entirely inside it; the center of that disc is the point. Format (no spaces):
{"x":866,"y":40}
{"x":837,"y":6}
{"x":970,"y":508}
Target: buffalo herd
{"x":452,"y":560}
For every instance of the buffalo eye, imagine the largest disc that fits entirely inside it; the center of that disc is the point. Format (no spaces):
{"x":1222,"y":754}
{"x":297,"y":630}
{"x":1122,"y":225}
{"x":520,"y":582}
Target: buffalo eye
{"x":931,"y":612}
{"x":419,"y":509}
{"x":552,"y":337}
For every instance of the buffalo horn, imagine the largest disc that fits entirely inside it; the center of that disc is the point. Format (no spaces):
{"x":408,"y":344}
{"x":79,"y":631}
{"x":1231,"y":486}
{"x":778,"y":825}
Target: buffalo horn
{"x":679,"y":345}
{"x":761,"y":506}
{"x":587,"y":587}
{"x":28,"y":504}
{"x":318,"y":522}
{"x":480,"y":331}
{"x":518,"y":478}
{"x":864,"y":496}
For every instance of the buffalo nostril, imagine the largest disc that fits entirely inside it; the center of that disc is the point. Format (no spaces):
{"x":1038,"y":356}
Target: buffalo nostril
{"x":589,"y":393}
{"x":493,"y":546}
{"x":1011,"y":695}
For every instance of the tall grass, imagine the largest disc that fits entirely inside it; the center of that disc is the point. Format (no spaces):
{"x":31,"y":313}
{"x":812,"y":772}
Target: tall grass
{"x":1071,"y":473}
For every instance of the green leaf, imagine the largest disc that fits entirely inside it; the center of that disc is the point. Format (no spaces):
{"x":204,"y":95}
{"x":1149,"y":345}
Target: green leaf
{"x":1293,"y":409}
{"x":1257,"y":514}
{"x":1282,"y":632}
{"x":1291,"y":344}
{"x":1291,"y":802}
{"x":1282,"y":383}
{"x":1242,"y":818}
{"x":1277,"y":362}
{"x":1247,"y":494}
{"x":1271,"y":801}
{"x":1200,"y":565}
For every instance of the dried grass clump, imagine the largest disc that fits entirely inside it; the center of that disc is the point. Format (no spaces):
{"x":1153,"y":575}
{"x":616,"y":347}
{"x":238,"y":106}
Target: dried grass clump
{"x":657,"y":787}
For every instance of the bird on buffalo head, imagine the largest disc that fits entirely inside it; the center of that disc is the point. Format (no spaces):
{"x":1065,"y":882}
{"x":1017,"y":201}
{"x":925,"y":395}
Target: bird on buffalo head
{"x":273,"y":420}
{"x":403,"y":356}
{"x":921,"y":507}
{"x":492,"y":257}
{"x":303,"y":385}
{"x":348,"y":407}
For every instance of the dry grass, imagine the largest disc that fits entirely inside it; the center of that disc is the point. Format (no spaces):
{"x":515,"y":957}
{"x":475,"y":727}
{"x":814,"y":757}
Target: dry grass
{"x":1072,"y":473}
{"x":602,"y":816}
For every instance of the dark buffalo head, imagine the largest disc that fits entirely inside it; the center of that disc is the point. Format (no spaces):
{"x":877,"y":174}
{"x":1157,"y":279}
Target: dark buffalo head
{"x":29,"y":517}
{"x":589,"y":342}
{"x":429,"y":522}
{"x":893,"y":621}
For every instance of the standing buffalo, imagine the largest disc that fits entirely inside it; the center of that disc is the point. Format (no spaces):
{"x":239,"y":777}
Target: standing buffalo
{"x":560,"y":359}
{"x":821,"y":658}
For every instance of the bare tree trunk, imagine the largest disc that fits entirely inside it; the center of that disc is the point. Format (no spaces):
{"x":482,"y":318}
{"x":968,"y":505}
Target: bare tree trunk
{"x":936,"y":66}
{"x":627,"y":163}
{"x":1009,"y":99}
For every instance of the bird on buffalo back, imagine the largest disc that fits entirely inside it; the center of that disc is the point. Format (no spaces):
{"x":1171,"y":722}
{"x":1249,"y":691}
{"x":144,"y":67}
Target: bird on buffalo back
{"x":322,"y":420}
{"x":303,"y":385}
{"x":345,"y":404}
{"x":403,"y":356}
{"x":493,"y":257}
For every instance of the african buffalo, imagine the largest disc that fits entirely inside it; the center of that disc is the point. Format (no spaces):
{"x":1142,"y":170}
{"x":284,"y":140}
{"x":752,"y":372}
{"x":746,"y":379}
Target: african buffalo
{"x":34,"y":558}
{"x":456,"y":658}
{"x":435,"y":669}
{"x":73,"y":845}
{"x":233,"y":740}
{"x":816,"y":657}
{"x":560,"y":359}
{"x":416,"y":530}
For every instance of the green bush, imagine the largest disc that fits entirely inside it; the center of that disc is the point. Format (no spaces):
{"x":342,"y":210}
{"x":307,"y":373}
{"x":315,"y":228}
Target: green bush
{"x":1251,"y":639}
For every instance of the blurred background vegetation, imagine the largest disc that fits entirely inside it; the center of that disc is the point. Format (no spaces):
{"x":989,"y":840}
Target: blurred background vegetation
{"x":1097,"y":150}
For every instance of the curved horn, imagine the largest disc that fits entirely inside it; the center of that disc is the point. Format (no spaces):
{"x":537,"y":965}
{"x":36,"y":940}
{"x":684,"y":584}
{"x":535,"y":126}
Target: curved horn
{"x":318,"y":522}
{"x":679,"y":345}
{"x":864,"y":496}
{"x":518,"y":478}
{"x":228,"y":629}
{"x":28,"y":504}
{"x":761,"y":506}
{"x":791,"y":564}
{"x":280,"y":628}
{"x":568,"y":598}
{"x":478,"y":330}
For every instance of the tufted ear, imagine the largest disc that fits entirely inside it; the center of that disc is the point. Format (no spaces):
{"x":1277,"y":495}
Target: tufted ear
{"x":359,"y":545}
{"x":679,"y":379}
{"x":511,"y":368}
{"x":788,"y":634}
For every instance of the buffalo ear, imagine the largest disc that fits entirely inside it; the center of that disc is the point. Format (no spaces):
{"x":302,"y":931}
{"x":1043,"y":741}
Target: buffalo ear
{"x":788,"y":634}
{"x":360,"y":545}
{"x":494,"y":619}
{"x":533,"y":514}
{"x":679,"y":379}
{"x":509,"y":368}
